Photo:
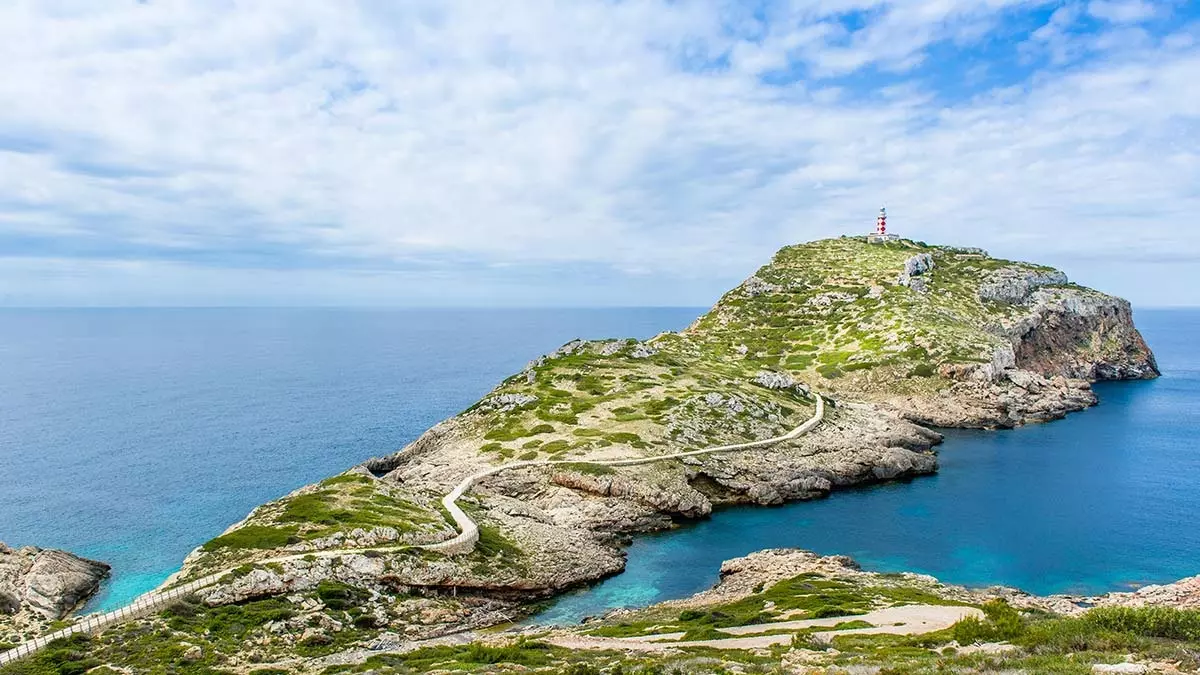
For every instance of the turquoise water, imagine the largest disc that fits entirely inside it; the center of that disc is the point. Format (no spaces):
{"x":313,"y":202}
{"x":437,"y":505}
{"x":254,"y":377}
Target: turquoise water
{"x":133,"y":436}
{"x":1103,"y":500}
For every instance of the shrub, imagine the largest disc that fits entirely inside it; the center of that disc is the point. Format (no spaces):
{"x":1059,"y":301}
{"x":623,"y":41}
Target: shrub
{"x":1157,"y":622}
{"x":969,"y":630}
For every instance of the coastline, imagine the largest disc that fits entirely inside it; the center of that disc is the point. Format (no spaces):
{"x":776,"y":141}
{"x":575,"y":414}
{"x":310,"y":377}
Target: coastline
{"x":586,"y":426}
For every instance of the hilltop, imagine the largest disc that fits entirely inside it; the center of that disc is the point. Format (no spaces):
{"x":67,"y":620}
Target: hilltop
{"x":896,"y":336}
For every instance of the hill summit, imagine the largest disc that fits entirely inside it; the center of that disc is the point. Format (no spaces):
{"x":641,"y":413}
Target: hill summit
{"x":912,"y":325}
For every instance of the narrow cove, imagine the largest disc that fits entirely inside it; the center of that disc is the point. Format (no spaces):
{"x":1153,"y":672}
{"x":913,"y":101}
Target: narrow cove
{"x":1099,"y":501}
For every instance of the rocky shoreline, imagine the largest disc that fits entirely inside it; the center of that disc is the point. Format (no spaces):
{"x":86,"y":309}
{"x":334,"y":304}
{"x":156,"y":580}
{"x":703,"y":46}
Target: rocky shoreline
{"x":40,"y":586}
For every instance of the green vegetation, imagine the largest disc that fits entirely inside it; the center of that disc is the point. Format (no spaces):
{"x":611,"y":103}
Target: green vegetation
{"x":492,"y":542}
{"x":459,"y":657}
{"x":588,"y":468}
{"x":808,"y":596}
{"x":253,"y":536}
{"x":66,"y":656}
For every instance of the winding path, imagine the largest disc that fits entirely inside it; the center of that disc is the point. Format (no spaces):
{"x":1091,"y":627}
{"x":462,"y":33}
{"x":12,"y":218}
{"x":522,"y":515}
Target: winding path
{"x":463,"y":542}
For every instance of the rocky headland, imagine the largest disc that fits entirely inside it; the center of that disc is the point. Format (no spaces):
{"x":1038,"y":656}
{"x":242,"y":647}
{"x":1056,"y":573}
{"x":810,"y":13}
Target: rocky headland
{"x":896,"y":337}
{"x":38,"y":586}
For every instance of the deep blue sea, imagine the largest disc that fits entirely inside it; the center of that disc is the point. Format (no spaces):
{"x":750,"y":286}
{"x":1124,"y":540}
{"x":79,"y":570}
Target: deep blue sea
{"x":134,"y":435}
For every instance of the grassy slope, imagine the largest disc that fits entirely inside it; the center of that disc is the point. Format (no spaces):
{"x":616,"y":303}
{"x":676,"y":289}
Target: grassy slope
{"x":826,"y":323}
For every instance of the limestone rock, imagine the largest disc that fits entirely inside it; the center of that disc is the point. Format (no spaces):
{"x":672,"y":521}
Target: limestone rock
{"x":48,"y":582}
{"x":915,"y":269}
{"x":1013,"y":286}
{"x":754,"y":286}
{"x":774,"y":380}
{"x":643,"y":351}
{"x":508,"y":402}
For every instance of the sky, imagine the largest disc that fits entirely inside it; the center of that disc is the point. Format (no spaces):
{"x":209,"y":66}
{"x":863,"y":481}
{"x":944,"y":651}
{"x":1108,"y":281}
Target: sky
{"x":581,"y":152}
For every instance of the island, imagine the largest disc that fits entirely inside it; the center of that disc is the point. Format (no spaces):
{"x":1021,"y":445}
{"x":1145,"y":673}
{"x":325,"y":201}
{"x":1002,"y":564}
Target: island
{"x":828,"y":368}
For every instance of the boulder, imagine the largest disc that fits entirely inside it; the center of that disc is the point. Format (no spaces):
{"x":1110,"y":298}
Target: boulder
{"x":48,"y":582}
{"x":754,"y":286}
{"x":915,"y":269}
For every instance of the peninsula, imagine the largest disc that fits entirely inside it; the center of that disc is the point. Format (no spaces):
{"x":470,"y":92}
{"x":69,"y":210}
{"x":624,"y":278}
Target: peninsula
{"x":825,"y":369}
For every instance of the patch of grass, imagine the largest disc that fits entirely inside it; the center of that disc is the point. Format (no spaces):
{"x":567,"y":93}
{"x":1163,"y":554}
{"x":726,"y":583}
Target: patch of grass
{"x":337,"y":595}
{"x":253,"y":537}
{"x":347,"y":479}
{"x":807,"y":596}
{"x":493,"y":542}
{"x":529,"y":654}
{"x":363,"y":507}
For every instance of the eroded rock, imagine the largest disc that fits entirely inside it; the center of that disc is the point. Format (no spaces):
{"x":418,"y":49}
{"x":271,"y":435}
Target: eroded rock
{"x":48,"y":582}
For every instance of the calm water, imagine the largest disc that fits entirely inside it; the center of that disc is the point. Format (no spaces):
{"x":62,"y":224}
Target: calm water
{"x":1099,"y":501}
{"x":132,"y":436}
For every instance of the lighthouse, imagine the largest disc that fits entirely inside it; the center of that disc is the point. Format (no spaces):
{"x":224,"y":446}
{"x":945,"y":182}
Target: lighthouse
{"x":880,"y":234}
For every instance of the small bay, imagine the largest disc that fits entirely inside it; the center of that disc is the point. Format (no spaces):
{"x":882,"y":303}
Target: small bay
{"x":1103,"y":500}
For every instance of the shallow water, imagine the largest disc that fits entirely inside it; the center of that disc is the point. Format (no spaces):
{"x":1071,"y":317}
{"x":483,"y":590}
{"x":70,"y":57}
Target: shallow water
{"x":1103,"y":500}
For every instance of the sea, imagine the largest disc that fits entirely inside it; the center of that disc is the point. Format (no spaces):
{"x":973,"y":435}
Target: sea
{"x":134,"y":435}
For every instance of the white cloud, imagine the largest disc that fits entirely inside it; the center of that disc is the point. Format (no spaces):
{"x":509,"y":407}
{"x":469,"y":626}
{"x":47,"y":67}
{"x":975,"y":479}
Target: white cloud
{"x":545,"y":134}
{"x":1123,"y":11}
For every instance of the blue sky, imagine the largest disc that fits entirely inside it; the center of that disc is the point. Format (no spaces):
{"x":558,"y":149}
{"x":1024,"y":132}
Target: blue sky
{"x":617,"y":152}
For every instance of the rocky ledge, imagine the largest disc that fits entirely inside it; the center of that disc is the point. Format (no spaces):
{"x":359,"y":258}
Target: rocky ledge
{"x":40,"y":586}
{"x":46,"y":582}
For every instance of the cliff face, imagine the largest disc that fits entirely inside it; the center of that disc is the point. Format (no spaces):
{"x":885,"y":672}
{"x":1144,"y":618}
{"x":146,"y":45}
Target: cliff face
{"x":895,"y":335}
{"x":1082,"y":335}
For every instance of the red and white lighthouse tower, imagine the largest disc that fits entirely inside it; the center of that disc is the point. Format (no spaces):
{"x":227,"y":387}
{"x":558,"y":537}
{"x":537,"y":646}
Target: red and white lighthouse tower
{"x":880,"y":234}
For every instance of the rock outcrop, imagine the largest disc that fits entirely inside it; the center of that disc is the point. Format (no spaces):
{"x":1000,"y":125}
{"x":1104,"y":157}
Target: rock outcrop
{"x":46,"y":582}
